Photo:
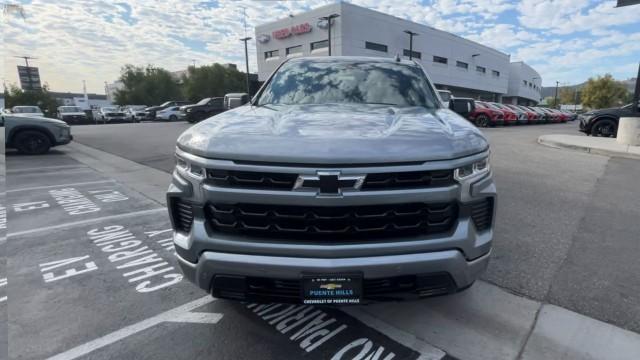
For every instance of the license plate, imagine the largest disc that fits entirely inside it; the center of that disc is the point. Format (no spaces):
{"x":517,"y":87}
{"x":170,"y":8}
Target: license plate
{"x":332,"y":289}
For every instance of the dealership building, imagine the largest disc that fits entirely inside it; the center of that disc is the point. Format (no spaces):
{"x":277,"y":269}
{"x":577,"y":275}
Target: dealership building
{"x":466,"y":68}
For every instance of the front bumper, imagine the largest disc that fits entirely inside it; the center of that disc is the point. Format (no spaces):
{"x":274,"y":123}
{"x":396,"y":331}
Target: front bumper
{"x":206,"y":256}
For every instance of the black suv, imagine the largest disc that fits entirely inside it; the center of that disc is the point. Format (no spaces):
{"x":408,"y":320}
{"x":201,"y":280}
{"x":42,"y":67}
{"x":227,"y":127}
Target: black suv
{"x":603,"y":122}
{"x":151,"y":111}
{"x":205,"y":108}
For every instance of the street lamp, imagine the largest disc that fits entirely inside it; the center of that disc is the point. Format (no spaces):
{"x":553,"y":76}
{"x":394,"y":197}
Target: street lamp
{"x":246,"y":60}
{"x":328,"y":20}
{"x":411,"y":35}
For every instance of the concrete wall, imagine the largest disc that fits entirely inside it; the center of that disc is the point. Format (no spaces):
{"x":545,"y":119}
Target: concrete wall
{"x":519,"y":72}
{"x":266,"y":66}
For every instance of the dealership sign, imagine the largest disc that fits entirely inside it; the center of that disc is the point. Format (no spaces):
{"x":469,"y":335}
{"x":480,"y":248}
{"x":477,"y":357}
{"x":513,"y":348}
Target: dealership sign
{"x":294,"y":30}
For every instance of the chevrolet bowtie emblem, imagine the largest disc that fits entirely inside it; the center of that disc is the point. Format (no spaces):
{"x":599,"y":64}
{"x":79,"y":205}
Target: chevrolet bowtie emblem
{"x":329,"y":183}
{"x":331,"y":286}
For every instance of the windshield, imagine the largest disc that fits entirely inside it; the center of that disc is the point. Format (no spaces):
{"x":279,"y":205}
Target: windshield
{"x":68,"y":109}
{"x":203,"y":101}
{"x":25,"y":109}
{"x":354,"y":82}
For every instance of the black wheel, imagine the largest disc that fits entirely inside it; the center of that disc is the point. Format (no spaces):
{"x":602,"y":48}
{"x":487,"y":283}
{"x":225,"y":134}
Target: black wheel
{"x":32,"y":142}
{"x":173,"y":118}
{"x":482,"y":121}
{"x":604,"y":128}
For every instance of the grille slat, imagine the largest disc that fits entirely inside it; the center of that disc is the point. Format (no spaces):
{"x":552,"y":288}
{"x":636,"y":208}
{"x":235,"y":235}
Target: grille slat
{"x":373,"y":182}
{"x":332,"y":223}
{"x":183,"y":215}
{"x":482,"y":214}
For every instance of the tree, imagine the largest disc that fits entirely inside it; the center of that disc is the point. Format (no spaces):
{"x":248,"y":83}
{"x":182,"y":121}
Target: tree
{"x":568,"y":96}
{"x":14,"y":96}
{"x":212,"y":81}
{"x":146,"y":86}
{"x":603,"y":92}
{"x":550,"y":101}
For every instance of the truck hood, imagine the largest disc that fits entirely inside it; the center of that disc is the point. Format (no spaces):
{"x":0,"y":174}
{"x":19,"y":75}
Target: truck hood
{"x":333,"y":134}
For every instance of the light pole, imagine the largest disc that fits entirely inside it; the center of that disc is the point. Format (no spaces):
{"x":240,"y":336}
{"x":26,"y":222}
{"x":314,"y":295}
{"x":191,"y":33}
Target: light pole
{"x":246,"y":60}
{"x":328,"y":20}
{"x":555,"y":101}
{"x":411,"y":35}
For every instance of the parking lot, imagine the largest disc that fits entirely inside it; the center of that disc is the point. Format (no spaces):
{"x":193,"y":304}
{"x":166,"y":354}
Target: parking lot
{"x":565,"y":242}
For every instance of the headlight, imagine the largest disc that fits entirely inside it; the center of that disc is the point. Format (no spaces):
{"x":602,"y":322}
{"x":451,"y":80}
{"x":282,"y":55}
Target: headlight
{"x":188,"y":168}
{"x":472,"y":170}
{"x":188,"y":110}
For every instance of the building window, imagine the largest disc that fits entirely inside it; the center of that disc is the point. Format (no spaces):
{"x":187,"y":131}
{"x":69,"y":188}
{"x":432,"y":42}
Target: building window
{"x":414,"y":54}
{"x":319,"y":45}
{"x":294,"y":50}
{"x":530,"y":85}
{"x":271,"y":54}
{"x":462,"y":65}
{"x":495,"y":73}
{"x":440,"y":60}
{"x":374,"y":46}
{"x":481,"y":69}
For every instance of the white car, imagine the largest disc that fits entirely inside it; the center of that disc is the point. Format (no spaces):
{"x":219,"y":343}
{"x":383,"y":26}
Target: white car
{"x":26,"y":111}
{"x":135,"y":113}
{"x":111,"y":113}
{"x":71,"y":114}
{"x":172,"y":113}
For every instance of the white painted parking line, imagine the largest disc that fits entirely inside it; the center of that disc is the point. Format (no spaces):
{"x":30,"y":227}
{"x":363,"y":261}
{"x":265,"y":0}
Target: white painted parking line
{"x":40,"y":168}
{"x":52,"y":173}
{"x":61,"y":185}
{"x":88,"y":221}
{"x":181,"y":314}
{"x":3,"y":282}
{"x":427,"y":352}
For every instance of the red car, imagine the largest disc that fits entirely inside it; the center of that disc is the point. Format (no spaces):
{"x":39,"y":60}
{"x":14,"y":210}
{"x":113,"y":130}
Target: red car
{"x":563,"y":117}
{"x":510,"y":116}
{"x":532,"y":116}
{"x":553,"y":116}
{"x":484,"y":116}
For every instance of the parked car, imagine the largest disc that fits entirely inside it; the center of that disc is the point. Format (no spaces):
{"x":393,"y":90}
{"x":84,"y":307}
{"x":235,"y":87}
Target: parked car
{"x":311,"y":191}
{"x":524,"y":116}
{"x":111,"y":114}
{"x":543,"y":117}
{"x":517,"y":114}
{"x":234,"y":100}
{"x":71,"y":114}
{"x":151,"y":111}
{"x":445,"y":96}
{"x":532,"y":116}
{"x":484,"y":116}
{"x":205,"y":108}
{"x":510,"y":117}
{"x":33,"y":134}
{"x":172,"y":113}
{"x":135,"y":113}
{"x":462,"y":106}
{"x":553,"y":116}
{"x":26,"y":111}
{"x":604,"y":122}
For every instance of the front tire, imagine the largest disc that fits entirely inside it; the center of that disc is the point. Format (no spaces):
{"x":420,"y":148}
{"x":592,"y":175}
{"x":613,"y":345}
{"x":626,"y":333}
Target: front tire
{"x":482,"y":121}
{"x":604,"y":128}
{"x":32,"y":142}
{"x":173,"y":118}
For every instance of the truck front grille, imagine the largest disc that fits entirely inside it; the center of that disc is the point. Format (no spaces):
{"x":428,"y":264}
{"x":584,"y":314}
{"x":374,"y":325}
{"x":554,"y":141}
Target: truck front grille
{"x":373,"y":181}
{"x":332,"y":223}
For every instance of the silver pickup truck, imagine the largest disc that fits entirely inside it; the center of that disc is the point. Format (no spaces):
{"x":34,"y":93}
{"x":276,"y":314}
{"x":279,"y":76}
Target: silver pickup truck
{"x":344,"y":181}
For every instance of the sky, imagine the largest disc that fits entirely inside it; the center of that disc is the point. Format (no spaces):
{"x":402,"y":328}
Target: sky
{"x":75,"y":40}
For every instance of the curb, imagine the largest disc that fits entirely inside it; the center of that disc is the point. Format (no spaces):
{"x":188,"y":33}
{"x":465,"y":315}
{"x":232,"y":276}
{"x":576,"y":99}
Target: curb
{"x":544,"y":140}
